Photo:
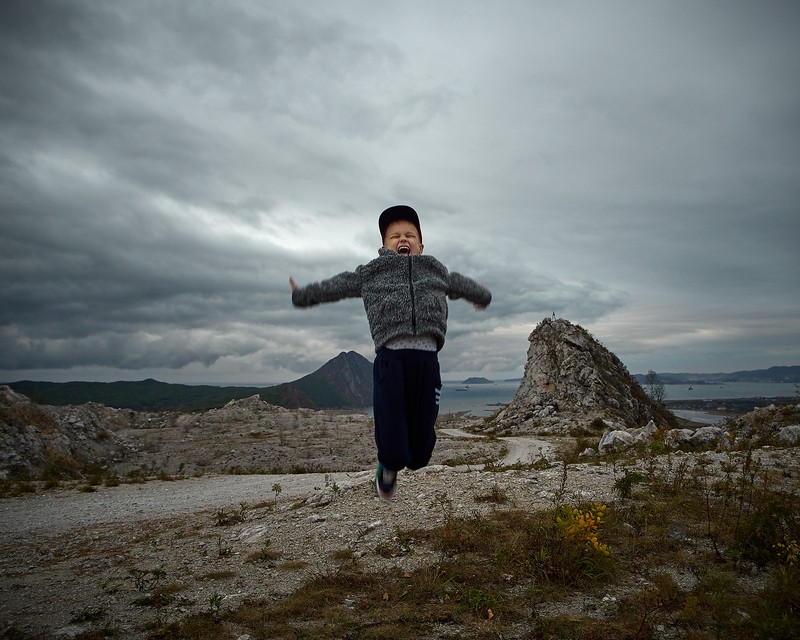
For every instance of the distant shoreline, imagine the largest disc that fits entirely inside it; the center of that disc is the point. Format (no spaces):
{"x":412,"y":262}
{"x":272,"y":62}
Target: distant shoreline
{"x":728,"y":405}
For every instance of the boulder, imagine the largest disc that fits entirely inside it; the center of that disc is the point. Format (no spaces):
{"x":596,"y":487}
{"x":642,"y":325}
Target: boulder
{"x":677,"y":437}
{"x":706,"y":436}
{"x":615,"y":441}
{"x":645,"y":433}
{"x":789,"y":435}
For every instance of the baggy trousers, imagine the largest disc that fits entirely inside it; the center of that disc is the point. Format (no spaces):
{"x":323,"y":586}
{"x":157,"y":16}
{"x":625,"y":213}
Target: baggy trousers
{"x":407,"y":386}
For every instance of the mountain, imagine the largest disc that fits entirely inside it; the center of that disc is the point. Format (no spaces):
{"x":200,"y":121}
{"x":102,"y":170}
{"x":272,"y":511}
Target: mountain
{"x":772,"y":375}
{"x":344,"y":382}
{"x":572,"y":384}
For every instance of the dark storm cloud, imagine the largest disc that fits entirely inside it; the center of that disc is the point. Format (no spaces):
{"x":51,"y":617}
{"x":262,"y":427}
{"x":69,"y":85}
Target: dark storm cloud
{"x":164,"y":167}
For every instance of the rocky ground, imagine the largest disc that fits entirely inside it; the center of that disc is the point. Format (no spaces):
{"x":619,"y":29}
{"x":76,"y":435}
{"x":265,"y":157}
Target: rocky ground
{"x":72,"y":560}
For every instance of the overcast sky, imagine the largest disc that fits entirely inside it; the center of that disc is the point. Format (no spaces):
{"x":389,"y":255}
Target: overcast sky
{"x":633,"y":167}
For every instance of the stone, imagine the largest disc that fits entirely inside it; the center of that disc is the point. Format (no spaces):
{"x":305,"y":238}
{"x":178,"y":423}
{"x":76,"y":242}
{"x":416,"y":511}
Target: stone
{"x":615,"y":441}
{"x":644,"y":434}
{"x":789,"y":435}
{"x":676,"y":437}
{"x":705,"y":436}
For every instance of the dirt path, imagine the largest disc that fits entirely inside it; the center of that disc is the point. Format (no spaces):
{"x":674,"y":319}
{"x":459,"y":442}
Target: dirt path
{"x":524,"y":450}
{"x":65,"y":509}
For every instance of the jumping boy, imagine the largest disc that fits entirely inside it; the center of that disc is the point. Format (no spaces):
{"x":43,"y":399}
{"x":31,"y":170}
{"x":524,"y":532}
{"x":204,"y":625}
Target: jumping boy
{"x":405,"y":296}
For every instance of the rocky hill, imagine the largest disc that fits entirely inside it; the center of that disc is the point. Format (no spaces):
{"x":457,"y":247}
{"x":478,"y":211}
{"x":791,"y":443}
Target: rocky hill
{"x":345,"y":382}
{"x":245,"y":436}
{"x":573,"y":385}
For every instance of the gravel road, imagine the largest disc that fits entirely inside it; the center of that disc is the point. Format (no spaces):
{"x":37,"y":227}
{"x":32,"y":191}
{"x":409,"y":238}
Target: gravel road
{"x":67,"y":509}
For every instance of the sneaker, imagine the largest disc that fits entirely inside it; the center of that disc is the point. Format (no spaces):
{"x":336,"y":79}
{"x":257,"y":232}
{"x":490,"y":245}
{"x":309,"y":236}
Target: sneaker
{"x":385,"y":481}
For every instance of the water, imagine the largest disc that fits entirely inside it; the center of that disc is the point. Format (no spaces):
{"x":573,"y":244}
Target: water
{"x":699,"y":416}
{"x":478,"y":399}
{"x":723,"y":391}
{"x":482,"y":399}
{"x":728,"y":390}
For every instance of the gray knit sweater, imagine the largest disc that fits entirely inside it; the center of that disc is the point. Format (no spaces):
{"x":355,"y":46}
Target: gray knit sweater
{"x":403,"y":295}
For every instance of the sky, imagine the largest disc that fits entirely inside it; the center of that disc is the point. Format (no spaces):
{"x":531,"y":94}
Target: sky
{"x":633,"y":167}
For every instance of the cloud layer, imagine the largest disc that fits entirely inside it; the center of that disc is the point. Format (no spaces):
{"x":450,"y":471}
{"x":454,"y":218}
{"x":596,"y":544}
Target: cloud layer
{"x":634,"y":168}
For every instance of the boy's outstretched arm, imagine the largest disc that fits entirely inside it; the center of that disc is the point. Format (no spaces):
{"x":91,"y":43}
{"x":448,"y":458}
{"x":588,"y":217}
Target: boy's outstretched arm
{"x":463,"y":287}
{"x":345,"y":285}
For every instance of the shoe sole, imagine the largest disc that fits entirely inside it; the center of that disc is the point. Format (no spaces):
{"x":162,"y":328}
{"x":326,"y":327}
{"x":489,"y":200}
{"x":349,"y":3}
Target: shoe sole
{"x":383,"y":495}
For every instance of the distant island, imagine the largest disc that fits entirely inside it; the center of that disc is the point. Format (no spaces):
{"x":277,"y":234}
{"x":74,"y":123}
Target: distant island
{"x":477,"y":381}
{"x":771,"y":375}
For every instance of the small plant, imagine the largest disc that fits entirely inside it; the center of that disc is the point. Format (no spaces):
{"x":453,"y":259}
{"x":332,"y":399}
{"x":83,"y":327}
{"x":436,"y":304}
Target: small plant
{"x":788,"y":551}
{"x":495,"y":495}
{"x":215,"y":606}
{"x":158,"y":598}
{"x":583,"y":526}
{"x":112,"y":480}
{"x":136,"y":476}
{"x":443,"y":502}
{"x":90,"y":613}
{"x":223,"y":519}
{"x":14,"y":488}
{"x":146,"y":579}
{"x":346,"y":554}
{"x":223,"y":548}
{"x":276,"y":489}
{"x":399,"y":546}
{"x":265,"y":554}
{"x":624,"y":485}
{"x":561,"y":492}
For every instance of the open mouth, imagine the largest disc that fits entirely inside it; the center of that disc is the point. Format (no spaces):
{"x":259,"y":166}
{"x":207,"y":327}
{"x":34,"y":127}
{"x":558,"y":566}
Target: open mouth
{"x":404,"y":250}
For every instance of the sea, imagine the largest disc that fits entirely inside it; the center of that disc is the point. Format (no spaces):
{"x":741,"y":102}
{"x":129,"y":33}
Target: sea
{"x":485,"y":399}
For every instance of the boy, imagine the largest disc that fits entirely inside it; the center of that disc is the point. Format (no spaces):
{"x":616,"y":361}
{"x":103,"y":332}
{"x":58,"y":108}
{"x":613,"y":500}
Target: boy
{"x":405,"y":297}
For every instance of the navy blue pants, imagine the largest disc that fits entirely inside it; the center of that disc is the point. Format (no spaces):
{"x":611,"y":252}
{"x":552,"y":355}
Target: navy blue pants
{"x":405,"y":398}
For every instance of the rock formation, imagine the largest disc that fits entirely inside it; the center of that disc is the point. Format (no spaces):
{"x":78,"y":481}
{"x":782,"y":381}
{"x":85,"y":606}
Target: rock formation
{"x":64,"y":439}
{"x":572,"y":385}
{"x":772,"y":426}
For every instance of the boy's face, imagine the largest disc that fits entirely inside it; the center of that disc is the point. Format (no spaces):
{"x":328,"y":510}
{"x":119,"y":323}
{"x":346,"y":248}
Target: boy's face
{"x":402,"y":237}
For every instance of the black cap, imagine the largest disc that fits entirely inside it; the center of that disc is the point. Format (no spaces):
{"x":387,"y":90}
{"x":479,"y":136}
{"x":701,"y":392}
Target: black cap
{"x":398,"y":212}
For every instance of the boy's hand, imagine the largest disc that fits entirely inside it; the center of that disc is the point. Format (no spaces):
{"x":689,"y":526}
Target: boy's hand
{"x":292,"y":283}
{"x":479,"y":307}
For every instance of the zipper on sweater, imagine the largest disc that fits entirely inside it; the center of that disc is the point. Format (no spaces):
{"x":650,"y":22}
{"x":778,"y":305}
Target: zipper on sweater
{"x":413,"y":306}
